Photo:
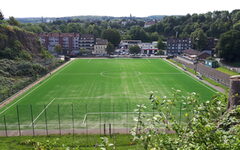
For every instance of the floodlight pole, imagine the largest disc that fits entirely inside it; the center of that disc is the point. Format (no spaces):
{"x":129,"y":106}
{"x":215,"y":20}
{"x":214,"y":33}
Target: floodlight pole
{"x":195,"y":63}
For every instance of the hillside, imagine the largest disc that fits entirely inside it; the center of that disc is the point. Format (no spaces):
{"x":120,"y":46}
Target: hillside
{"x":22,"y":60}
{"x":18,"y":40}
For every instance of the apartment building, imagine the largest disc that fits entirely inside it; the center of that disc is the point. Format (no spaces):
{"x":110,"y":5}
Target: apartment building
{"x":69,"y":41}
{"x":86,"y":41}
{"x":175,"y":46}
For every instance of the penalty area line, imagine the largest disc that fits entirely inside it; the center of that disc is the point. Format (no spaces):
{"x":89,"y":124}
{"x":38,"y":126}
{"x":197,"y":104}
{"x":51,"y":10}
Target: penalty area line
{"x":42,"y":112}
{"x":89,"y":60}
{"x":102,"y":113}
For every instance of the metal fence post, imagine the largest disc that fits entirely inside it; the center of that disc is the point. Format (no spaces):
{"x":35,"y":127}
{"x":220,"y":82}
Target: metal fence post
{"x":73,"y":125}
{"x":19,"y":125}
{"x":127,"y":118}
{"x":114,"y":138}
{"x":86,"y":109}
{"x":59,"y":120}
{"x":100,"y":118}
{"x":113,"y":118}
{"x":33,"y":130}
{"x":104,"y":129}
{"x":46,"y":122}
{"x":5,"y":125}
{"x":72,"y":120}
{"x":110,"y":130}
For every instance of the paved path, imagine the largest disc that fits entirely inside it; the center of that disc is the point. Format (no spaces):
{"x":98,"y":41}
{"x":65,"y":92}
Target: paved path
{"x":19,"y":93}
{"x":219,"y":89}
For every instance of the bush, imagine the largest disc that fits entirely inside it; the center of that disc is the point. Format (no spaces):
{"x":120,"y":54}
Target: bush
{"x":25,"y":55}
{"x":205,"y":127}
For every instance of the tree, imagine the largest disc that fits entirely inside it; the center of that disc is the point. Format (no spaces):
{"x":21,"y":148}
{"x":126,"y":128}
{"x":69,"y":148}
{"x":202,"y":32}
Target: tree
{"x":112,"y":36}
{"x":1,"y":15}
{"x":135,"y":49}
{"x":12,"y":21}
{"x":58,"y":49}
{"x":236,"y":26}
{"x":161,"y":45}
{"x":153,"y":36}
{"x":160,"y":52}
{"x":110,"y":48}
{"x":228,"y":46}
{"x":199,"y":39}
{"x":82,"y":51}
{"x":137,"y":33}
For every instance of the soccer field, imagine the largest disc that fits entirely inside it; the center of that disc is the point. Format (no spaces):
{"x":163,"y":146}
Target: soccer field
{"x":91,"y":89}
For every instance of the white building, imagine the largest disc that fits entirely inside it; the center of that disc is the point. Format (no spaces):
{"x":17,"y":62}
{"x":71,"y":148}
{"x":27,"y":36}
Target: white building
{"x":126,"y":44}
{"x":100,"y":47}
{"x":149,"y":48}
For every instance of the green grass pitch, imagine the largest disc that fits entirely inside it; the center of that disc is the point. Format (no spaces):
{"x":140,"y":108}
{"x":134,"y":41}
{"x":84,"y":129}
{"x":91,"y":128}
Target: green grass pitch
{"x":86,"y":87}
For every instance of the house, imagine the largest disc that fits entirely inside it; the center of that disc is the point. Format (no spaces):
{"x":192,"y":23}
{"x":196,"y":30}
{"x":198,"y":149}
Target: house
{"x":100,"y":47}
{"x":148,"y":48}
{"x":211,"y":63}
{"x":192,"y":55}
{"x":175,"y":46}
{"x":149,"y":23}
{"x":126,"y":44}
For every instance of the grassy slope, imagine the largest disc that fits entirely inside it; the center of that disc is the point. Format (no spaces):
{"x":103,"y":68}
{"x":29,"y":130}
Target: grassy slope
{"x":227,"y":71}
{"x":102,"y":83}
{"x":204,"y":78}
{"x":85,"y":142}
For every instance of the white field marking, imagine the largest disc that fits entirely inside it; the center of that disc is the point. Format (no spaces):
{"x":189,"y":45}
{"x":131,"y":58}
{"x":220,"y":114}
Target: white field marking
{"x":148,"y":60}
{"x":80,"y":73}
{"x":99,"y":97}
{"x":167,"y":73}
{"x":42,"y":111}
{"x":195,"y":79}
{"x":89,"y":60}
{"x":105,"y":74}
{"x":98,"y":113}
{"x":36,"y":87}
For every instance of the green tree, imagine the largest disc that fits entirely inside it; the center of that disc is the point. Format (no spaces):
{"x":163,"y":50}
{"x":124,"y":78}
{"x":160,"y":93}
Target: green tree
{"x":110,"y":48}
{"x":83,"y":51}
{"x":58,"y":49}
{"x":199,"y":39}
{"x":12,"y":21}
{"x":153,"y":36}
{"x":112,"y":36}
{"x":134,"y":49}
{"x":137,"y":33}
{"x":236,"y":26}
{"x":228,"y":46}
{"x":160,"y":44}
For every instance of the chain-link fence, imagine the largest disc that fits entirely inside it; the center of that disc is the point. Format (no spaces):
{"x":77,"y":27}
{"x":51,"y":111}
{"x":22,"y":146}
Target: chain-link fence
{"x":75,"y":119}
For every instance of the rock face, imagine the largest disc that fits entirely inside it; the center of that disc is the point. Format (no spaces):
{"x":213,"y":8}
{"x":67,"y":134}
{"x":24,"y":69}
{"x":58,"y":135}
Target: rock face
{"x":234,"y":93}
{"x":18,"y":39}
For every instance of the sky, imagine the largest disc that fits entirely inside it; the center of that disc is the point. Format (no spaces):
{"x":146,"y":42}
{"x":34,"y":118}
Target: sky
{"x":118,"y":8}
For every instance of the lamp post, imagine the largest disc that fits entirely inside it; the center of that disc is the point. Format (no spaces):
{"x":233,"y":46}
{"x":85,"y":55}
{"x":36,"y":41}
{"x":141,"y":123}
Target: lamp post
{"x":195,"y":63}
